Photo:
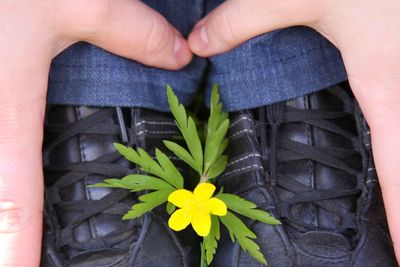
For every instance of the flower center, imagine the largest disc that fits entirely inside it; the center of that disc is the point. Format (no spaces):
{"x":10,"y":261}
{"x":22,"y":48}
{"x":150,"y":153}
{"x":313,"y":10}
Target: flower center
{"x":198,"y":207}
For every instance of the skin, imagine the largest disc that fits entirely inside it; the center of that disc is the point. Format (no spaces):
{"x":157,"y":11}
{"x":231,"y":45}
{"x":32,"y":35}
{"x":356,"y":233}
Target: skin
{"x":367,"y":33}
{"x":35,"y":31}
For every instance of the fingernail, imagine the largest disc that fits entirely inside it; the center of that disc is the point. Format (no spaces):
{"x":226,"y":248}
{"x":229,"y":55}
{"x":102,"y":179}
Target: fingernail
{"x":198,"y":39}
{"x":181,"y":51}
{"x":177,"y":44}
{"x":203,"y":34}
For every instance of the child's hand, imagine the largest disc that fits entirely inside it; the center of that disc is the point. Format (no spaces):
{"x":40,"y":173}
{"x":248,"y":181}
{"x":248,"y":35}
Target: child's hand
{"x":367,"y":32}
{"x":32,"y":33}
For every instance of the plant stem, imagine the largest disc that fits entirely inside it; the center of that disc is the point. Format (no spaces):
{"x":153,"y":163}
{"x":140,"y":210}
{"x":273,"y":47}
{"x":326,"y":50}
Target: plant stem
{"x":203,"y":261}
{"x":203,"y":178}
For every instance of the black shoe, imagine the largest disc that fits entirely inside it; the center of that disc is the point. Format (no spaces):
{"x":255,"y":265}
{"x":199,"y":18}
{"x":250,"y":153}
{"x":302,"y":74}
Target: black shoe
{"x":84,"y":226}
{"x":308,"y":161}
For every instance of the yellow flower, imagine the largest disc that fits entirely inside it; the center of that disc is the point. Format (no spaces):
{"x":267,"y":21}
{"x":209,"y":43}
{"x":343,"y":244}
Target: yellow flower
{"x":195,"y":208}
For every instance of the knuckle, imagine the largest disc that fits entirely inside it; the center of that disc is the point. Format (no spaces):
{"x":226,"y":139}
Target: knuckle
{"x":307,"y":12}
{"x":313,"y":13}
{"x":12,"y":217}
{"x":222,"y":26}
{"x":157,"y":37}
{"x":101,"y":10}
{"x":89,"y":15}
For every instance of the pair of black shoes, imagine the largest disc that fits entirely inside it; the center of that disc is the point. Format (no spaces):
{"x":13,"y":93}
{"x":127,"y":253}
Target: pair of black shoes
{"x":307,"y":161}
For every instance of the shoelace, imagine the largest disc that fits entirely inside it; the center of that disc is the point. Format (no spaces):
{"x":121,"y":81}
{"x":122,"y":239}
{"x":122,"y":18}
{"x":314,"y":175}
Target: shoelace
{"x":287,"y":150}
{"x":73,"y":172}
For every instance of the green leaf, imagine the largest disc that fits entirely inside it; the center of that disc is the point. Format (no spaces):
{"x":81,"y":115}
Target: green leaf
{"x":215,"y":110}
{"x":203,"y":261}
{"x":136,"y":182}
{"x":223,"y":117}
{"x":217,"y":127}
{"x":113,"y":183}
{"x":129,"y":153}
{"x":188,"y":129}
{"x":222,"y":147}
{"x":246,"y":208}
{"x":181,"y":153}
{"x":170,"y":208}
{"x":193,"y":142}
{"x":149,"y":202}
{"x":174,"y":176}
{"x":214,"y":141}
{"x":141,"y":158}
{"x":177,"y":109}
{"x":149,"y":165}
{"x":217,"y":167}
{"x":243,"y":235}
{"x":211,"y":240}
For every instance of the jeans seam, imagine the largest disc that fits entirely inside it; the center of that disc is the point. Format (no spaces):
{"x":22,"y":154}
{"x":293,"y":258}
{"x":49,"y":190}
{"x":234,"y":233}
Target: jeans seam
{"x":150,"y":72}
{"x":94,"y":85}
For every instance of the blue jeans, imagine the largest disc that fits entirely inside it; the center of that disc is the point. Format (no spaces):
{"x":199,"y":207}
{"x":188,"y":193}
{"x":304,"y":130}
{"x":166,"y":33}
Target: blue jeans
{"x":274,"y":67}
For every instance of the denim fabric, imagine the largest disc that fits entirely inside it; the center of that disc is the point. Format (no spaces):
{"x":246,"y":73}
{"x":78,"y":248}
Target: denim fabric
{"x":87,"y":75}
{"x":270,"y":68}
{"x":274,"y":67}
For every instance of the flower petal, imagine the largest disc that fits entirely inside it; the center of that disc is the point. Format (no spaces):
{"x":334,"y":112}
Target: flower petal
{"x":201,"y":223}
{"x":203,"y":192}
{"x":179,"y":220}
{"x":180,"y":197}
{"x":216,"y":206}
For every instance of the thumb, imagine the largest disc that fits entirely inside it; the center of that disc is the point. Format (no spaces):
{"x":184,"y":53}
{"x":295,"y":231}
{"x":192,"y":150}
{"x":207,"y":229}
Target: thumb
{"x":128,"y":28}
{"x":23,"y":94}
{"x":236,"y":21}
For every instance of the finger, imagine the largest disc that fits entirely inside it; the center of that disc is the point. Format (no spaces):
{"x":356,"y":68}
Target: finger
{"x":381,"y":107}
{"x":21,"y":179}
{"x":386,"y":154}
{"x":21,"y":200}
{"x":236,"y":21}
{"x":127,"y":28}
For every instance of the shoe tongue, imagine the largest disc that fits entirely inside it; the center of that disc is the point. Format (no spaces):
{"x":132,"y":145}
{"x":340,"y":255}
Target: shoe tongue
{"x":315,"y":175}
{"x":83,"y":147}
{"x":323,"y":100}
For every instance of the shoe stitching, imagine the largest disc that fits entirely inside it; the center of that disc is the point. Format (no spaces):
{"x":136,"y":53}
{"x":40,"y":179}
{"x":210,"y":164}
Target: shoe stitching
{"x":156,"y":132}
{"x":255,"y":166}
{"x":245,"y":131}
{"x":239,"y":120}
{"x":244,"y":158}
{"x":155,"y":123}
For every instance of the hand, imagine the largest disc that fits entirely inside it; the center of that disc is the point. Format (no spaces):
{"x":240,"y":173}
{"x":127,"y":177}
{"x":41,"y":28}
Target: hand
{"x":366,"y":32}
{"x":32,"y":33}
